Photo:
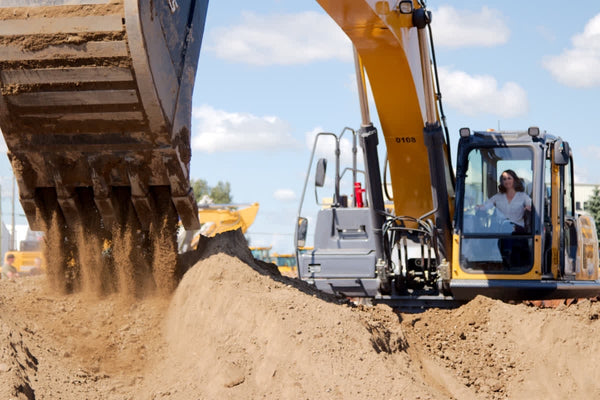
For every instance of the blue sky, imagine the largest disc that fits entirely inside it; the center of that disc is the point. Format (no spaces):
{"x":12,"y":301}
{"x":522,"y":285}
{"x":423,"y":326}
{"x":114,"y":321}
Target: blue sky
{"x":274,"y":72}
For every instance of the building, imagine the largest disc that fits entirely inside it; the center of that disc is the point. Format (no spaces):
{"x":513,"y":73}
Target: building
{"x":583,"y":192}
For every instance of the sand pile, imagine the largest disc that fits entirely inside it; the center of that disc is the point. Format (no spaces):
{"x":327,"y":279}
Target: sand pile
{"x":499,"y":350}
{"x":235,"y":330}
{"x":235,"y":333}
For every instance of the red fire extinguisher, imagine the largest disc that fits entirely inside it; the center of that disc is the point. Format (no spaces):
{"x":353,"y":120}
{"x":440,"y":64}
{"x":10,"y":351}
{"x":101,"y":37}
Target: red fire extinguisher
{"x":358,"y":191}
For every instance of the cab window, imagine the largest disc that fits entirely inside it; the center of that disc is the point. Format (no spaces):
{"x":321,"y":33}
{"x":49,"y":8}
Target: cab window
{"x":496,"y":226}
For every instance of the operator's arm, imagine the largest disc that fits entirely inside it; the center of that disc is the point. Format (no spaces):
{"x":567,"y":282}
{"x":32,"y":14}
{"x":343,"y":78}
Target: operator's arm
{"x":489,"y":203}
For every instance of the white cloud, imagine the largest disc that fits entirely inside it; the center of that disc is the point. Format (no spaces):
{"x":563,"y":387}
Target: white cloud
{"x":476,"y":94}
{"x":285,"y":195}
{"x":325,"y":145}
{"x":217,"y":130}
{"x":459,"y":28}
{"x":281,"y":39}
{"x":579,"y":66}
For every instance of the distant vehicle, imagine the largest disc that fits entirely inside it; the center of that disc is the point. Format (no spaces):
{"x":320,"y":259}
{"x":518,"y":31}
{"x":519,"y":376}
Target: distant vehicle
{"x":287,"y":263}
{"x":29,"y":259}
{"x":218,"y":218}
{"x":262,"y":253}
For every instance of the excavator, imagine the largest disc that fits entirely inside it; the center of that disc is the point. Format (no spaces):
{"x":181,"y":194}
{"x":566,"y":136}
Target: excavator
{"x":216,"y":219}
{"x":437,"y":244}
{"x":95,"y":109}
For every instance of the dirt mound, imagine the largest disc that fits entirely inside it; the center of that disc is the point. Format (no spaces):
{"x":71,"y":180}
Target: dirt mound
{"x":235,"y":333}
{"x":500,"y":350}
{"x":234,"y":329}
{"x":232,"y":243}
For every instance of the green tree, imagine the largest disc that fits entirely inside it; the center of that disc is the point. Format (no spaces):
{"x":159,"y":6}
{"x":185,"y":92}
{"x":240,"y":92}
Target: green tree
{"x":593,"y":207}
{"x":221,"y":194}
{"x":200,"y":188}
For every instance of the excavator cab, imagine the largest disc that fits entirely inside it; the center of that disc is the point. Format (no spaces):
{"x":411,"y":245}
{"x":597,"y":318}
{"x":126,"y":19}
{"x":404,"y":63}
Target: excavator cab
{"x":547,"y":251}
{"x":493,"y":240}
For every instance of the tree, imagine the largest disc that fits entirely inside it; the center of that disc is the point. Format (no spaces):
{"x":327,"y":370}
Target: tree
{"x":200,"y":188}
{"x":220,"y":194}
{"x":593,"y":207}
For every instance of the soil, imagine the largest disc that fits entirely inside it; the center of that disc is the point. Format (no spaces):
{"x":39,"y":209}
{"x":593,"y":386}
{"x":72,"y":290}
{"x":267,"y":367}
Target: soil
{"x":234,"y":328}
{"x":39,"y":42}
{"x":113,"y":7}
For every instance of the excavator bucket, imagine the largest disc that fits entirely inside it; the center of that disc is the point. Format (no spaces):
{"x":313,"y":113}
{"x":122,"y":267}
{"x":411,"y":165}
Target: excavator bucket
{"x":95,"y":105}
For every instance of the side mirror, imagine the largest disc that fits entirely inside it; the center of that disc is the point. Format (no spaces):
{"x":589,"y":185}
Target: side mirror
{"x":320,"y":174}
{"x":567,"y":149}
{"x":301,"y":230}
{"x":562,"y":152}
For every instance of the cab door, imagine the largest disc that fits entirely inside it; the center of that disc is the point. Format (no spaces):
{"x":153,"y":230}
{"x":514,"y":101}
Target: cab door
{"x":559,"y":161}
{"x":568,"y":245}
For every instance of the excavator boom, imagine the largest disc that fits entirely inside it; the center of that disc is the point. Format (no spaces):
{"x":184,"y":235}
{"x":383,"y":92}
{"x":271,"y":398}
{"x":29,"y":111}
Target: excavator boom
{"x":388,"y":46}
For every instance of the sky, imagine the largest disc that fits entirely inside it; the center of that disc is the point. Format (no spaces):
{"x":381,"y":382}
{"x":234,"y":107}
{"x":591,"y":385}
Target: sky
{"x":273,"y":73}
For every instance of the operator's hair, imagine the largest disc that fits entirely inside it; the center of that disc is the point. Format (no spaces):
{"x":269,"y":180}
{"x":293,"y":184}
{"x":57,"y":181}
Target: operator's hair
{"x":518,"y":182}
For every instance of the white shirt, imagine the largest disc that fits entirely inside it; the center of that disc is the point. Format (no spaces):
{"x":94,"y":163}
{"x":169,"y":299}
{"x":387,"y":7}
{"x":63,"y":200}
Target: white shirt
{"x":512,"y":210}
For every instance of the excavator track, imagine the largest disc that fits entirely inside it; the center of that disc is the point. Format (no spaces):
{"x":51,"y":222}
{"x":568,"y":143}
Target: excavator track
{"x":95,"y":108}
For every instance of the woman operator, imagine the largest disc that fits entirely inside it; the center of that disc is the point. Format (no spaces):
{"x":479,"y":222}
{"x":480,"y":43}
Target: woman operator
{"x":511,"y":199}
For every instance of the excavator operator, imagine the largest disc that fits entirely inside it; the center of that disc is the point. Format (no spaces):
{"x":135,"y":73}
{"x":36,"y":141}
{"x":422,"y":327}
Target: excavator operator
{"x":511,"y":200}
{"x":514,"y":204}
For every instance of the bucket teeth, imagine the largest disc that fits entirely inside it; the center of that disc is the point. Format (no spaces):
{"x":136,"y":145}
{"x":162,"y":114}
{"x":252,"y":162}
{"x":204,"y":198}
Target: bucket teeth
{"x":188,"y":211}
{"x":71,"y":210}
{"x":102,"y":194}
{"x":107,"y":210}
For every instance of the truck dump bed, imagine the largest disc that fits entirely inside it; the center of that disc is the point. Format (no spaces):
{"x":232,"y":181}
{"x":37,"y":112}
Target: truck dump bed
{"x":95,"y":105}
